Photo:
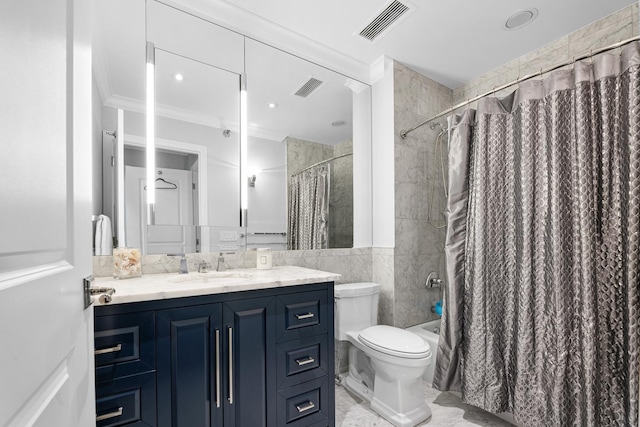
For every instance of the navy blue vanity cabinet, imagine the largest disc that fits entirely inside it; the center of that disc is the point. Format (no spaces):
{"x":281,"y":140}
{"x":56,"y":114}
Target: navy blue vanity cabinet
{"x":189,"y":366}
{"x":214,"y":364}
{"x":305,"y":365}
{"x":261,"y":358}
{"x":125,"y":357}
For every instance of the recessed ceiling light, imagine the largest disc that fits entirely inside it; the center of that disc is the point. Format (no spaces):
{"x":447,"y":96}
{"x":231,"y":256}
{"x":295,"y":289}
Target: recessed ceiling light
{"x":338,"y":123}
{"x":179,"y":77}
{"x":520,"y":19}
{"x":272,"y":105}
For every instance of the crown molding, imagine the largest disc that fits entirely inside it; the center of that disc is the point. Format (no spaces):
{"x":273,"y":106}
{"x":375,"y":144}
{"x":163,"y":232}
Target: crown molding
{"x":137,"y":106}
{"x":255,"y":27}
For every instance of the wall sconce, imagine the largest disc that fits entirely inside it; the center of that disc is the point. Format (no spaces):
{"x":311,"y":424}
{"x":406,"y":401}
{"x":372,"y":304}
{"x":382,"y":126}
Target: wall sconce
{"x":252,"y":180}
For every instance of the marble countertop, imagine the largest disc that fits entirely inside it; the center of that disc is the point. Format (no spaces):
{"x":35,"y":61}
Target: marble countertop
{"x":173,"y":285}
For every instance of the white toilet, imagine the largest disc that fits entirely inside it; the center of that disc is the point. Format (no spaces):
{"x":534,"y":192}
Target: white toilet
{"x":385,"y":363}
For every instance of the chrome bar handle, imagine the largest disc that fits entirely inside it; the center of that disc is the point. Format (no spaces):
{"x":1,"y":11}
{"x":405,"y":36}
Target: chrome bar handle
{"x":106,"y":293}
{"x":217,"y":368}
{"x":305,"y":408}
{"x":108,"y":415}
{"x":305,"y":316}
{"x":230,"y":332}
{"x":108,"y":349}
{"x":302,"y":362}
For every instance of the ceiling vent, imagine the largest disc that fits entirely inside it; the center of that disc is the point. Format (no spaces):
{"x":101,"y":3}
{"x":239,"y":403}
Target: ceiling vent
{"x":308,"y":87}
{"x":388,"y":17}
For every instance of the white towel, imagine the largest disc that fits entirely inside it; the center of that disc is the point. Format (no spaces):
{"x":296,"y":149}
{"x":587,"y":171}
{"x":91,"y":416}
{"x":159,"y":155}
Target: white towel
{"x":104,"y":237}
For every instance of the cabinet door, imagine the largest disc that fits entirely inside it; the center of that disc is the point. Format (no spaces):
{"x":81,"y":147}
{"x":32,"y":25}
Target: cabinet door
{"x":250,"y":366}
{"x":189,"y":348}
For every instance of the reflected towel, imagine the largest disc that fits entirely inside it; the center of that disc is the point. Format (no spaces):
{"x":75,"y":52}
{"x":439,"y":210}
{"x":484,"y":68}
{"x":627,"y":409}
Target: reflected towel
{"x":104,"y":237}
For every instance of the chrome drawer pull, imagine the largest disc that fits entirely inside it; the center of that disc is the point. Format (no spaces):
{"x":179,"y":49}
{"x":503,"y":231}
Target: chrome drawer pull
{"x":302,"y":362}
{"x":305,"y":408}
{"x":230,"y":337}
{"x":217,"y":368}
{"x":110,"y":415}
{"x":305,"y":316}
{"x":108,"y":350}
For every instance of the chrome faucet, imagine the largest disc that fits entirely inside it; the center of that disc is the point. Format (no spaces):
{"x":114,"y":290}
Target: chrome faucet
{"x":221,"y":265}
{"x":203,"y":267}
{"x":183,"y":263}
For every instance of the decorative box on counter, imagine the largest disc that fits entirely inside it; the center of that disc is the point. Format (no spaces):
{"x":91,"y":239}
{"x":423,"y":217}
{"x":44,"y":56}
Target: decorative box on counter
{"x":127,"y":263}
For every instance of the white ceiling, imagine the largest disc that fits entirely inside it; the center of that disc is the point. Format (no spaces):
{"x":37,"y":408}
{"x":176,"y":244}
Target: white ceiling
{"x":451,"y":41}
{"x":209,"y":95}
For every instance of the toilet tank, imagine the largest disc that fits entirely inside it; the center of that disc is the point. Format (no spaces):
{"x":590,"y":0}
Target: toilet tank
{"x":356,"y":307}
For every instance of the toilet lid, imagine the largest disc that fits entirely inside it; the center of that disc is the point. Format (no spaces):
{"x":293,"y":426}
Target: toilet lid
{"x":395,"y":341}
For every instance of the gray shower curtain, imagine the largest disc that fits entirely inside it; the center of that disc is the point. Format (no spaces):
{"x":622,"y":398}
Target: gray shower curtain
{"x":542,"y":306}
{"x":309,"y":209}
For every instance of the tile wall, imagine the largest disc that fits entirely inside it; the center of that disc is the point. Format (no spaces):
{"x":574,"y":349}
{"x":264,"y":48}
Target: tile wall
{"x":419,"y":195}
{"x":341,"y":197}
{"x":354,"y":264}
{"x":302,"y":154}
{"x":618,"y":26}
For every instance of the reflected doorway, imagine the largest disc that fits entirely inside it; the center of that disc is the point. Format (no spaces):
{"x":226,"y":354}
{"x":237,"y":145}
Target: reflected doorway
{"x":174,"y":211}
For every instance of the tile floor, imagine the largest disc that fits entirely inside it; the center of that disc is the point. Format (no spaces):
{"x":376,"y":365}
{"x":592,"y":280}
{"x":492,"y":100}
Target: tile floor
{"x":448,"y":411}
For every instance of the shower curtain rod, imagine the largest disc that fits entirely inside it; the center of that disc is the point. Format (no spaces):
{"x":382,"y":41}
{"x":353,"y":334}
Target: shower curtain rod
{"x":404,"y":133}
{"x":324,"y":161}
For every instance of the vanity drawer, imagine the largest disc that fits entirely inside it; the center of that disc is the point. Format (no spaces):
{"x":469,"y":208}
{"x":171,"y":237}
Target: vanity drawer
{"x":127,"y":401}
{"x":124,"y":345}
{"x":301,"y":360}
{"x":302,"y":314}
{"x":306,"y":404}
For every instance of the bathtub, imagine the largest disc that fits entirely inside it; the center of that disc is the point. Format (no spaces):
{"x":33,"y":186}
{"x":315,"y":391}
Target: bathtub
{"x":430,"y":332}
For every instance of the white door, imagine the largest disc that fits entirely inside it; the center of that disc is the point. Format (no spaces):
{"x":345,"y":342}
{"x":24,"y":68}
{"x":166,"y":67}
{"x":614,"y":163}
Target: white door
{"x":173,"y":211}
{"x":46,"y":335}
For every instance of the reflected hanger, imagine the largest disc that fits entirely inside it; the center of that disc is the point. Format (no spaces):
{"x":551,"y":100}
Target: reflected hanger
{"x":171,"y":185}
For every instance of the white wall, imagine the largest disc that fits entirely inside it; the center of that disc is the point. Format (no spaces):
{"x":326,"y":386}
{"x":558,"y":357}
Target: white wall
{"x":223,"y":161}
{"x":96,"y":141}
{"x":362,"y":202}
{"x":383,"y":181}
{"x":267,"y":201}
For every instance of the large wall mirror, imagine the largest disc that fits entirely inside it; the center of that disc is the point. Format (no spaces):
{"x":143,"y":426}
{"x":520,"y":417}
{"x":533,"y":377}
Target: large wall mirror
{"x":307,"y":126}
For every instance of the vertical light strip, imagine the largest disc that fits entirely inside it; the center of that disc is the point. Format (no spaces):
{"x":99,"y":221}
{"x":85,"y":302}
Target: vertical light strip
{"x":243,"y":149}
{"x":120,"y":221}
{"x":151,"y":137}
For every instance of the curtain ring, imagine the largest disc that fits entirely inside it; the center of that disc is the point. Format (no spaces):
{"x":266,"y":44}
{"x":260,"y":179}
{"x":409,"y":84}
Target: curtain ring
{"x":620,"y":47}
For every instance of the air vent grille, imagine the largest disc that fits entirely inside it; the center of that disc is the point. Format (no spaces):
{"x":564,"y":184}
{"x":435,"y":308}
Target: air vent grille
{"x":308,"y":87}
{"x":384,"y":20}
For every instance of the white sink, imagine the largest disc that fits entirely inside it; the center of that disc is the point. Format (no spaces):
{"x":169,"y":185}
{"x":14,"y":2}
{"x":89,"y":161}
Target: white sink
{"x":226,"y":274}
{"x":212,"y":275}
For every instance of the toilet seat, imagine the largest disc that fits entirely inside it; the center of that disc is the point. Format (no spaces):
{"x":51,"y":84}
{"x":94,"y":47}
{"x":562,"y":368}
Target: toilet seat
{"x":395,"y":342}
